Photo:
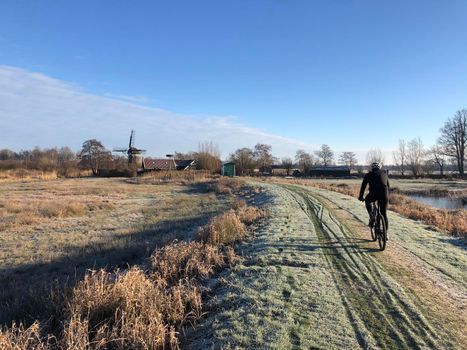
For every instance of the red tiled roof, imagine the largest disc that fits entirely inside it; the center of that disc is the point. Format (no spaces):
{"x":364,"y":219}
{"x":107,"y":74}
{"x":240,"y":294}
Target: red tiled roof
{"x":159,"y":164}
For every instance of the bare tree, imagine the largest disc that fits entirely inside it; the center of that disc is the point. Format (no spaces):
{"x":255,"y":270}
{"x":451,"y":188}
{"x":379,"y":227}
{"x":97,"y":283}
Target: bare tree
{"x":400,"y":156}
{"x":93,"y":154}
{"x":263,"y":156}
{"x":287,"y":163}
{"x":6,"y":154}
{"x":348,"y":159}
{"x":415,"y":154}
{"x":66,"y":160}
{"x":374,"y":155}
{"x":453,"y":138}
{"x":437,"y":157}
{"x":304,"y":160}
{"x":326,"y":155}
{"x":184,"y":156}
{"x":244,"y":159}
{"x":208,"y":157}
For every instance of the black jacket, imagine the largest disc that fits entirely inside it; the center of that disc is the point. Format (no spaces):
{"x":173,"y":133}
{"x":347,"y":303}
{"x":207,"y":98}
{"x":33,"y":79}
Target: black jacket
{"x":379,"y":183}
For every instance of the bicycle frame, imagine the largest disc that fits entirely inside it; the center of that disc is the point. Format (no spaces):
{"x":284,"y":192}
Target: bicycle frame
{"x":378,"y":229}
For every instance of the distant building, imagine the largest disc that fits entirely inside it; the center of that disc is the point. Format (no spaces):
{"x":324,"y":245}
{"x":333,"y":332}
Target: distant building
{"x":279,"y":169}
{"x":168,"y":164}
{"x":228,"y":169}
{"x":331,"y":171}
{"x":185,"y":164}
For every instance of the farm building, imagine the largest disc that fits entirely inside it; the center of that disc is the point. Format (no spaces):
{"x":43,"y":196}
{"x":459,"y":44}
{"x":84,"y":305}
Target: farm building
{"x":279,"y":169}
{"x":228,"y":169}
{"x":168,"y":164}
{"x":331,"y":171}
{"x":185,"y":164}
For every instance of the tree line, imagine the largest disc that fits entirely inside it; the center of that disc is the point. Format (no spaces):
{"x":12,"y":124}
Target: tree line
{"x":449,"y":149}
{"x":261,"y":158}
{"x":93,"y":156}
{"x":410,"y":156}
{"x":97,"y":159}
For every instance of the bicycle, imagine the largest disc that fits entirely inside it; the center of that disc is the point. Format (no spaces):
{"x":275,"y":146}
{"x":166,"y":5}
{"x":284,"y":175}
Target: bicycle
{"x":378,"y":229}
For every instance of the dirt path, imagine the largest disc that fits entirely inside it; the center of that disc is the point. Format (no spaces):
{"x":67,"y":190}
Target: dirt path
{"x":312,"y":279}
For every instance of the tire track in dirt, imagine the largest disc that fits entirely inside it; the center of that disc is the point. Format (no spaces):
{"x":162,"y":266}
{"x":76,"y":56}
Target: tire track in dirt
{"x":376,"y":303}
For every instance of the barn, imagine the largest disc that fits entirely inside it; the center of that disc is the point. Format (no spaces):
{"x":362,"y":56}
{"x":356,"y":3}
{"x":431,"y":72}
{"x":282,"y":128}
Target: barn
{"x":330,"y":171}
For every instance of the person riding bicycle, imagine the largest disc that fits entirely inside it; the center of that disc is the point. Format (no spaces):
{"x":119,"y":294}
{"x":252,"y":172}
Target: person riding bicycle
{"x":378,"y":191}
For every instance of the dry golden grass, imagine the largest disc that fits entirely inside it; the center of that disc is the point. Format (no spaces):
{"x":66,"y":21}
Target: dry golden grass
{"x":186,"y":261}
{"x":175,"y":176}
{"x":249,"y":215}
{"x":19,"y":212}
{"x":19,"y":337}
{"x":130,"y":310}
{"x":227,"y":185}
{"x":32,"y":174}
{"x":27,"y":174}
{"x":229,"y":227}
{"x":223,"y":229}
{"x":133,"y":309}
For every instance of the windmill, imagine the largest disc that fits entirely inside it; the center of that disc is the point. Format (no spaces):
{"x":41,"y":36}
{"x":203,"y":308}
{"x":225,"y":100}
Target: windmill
{"x":134,"y":154}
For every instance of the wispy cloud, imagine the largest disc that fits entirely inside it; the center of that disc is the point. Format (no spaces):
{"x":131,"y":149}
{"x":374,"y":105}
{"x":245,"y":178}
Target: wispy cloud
{"x":36,"y":109}
{"x":134,"y":99}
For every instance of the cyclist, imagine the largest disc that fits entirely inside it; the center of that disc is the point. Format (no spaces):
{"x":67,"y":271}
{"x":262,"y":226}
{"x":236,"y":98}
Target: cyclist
{"x":378,"y":191}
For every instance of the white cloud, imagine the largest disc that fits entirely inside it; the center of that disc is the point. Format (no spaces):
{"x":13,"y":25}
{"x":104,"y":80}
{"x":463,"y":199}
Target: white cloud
{"x":39,"y":110}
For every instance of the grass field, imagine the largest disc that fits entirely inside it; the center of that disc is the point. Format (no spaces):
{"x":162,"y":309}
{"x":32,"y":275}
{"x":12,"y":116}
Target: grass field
{"x":55,"y":230}
{"x":222,"y":264}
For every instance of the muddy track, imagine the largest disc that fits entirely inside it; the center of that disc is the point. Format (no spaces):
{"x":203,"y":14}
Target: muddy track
{"x":381,"y":313}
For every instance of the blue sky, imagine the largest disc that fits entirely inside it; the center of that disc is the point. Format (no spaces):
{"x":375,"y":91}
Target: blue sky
{"x":295,"y":74}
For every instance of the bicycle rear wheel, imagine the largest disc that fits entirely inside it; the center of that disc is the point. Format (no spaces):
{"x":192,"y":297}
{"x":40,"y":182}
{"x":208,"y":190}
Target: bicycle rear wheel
{"x":382,"y":234}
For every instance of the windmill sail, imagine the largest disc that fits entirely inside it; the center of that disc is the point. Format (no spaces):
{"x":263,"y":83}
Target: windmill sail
{"x":134,"y":154}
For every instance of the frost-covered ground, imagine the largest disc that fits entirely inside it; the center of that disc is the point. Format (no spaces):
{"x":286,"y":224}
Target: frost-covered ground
{"x":310,"y":278}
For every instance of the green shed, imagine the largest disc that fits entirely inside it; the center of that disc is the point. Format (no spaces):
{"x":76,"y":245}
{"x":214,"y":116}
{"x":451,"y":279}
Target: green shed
{"x":228,"y":169}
